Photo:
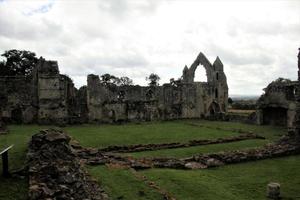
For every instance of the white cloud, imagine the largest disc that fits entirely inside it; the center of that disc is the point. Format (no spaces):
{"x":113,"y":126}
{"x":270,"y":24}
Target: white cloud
{"x":257,"y":41}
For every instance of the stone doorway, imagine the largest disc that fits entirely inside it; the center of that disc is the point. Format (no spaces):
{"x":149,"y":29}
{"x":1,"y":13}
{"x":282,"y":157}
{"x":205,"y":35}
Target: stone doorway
{"x":275,"y":116}
{"x":17,"y":115}
{"x":214,"y":108}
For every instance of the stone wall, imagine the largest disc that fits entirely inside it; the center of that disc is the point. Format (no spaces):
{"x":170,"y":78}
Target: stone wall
{"x":188,"y":99}
{"x":44,"y":97}
{"x":48,"y":97}
{"x":56,"y":95}
{"x":18,"y":99}
{"x":278,"y":105}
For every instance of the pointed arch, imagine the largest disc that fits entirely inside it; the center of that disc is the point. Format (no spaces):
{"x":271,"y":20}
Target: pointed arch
{"x":214,"y":108}
{"x":201,"y":59}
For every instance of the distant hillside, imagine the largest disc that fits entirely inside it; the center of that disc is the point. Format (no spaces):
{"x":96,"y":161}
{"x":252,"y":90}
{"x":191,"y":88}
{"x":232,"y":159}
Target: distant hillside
{"x":235,"y":97}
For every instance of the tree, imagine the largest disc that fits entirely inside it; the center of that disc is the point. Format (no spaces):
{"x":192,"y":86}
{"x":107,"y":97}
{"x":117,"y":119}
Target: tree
{"x":125,"y":81}
{"x":230,"y":101}
{"x":109,"y":79}
{"x":153,"y":79}
{"x":18,"y":62}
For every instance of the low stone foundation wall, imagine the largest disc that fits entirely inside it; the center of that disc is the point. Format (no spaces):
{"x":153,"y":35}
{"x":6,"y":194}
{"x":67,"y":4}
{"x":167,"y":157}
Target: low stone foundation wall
{"x":55,"y":172}
{"x":287,"y":146}
{"x":191,"y":143}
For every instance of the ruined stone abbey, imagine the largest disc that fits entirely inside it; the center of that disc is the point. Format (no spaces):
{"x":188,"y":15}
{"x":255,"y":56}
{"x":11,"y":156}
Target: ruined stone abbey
{"x":48,"y":97}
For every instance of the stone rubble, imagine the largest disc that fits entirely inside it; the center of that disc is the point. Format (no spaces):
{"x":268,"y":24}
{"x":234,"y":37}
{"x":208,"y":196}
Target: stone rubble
{"x":55,"y":172}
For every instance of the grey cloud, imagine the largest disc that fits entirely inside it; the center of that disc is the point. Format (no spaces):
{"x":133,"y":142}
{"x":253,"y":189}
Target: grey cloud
{"x":26,"y":29}
{"x":122,"y":9}
{"x":234,"y":57}
{"x":125,"y":37}
{"x":98,"y":64}
{"x":264,"y":28}
{"x":121,"y":61}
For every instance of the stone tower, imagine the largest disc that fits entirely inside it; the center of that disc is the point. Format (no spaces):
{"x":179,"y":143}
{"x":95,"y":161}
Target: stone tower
{"x":51,"y":93}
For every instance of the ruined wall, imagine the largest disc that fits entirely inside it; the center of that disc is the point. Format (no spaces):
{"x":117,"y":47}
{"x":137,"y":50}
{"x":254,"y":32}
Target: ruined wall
{"x":278,"y":106}
{"x":110,"y":103}
{"x":44,"y":97}
{"x":188,"y":99}
{"x":214,"y":92}
{"x":47,"y":97}
{"x":18,"y":99}
{"x":55,"y":94}
{"x":78,"y":111}
{"x":296,"y":122}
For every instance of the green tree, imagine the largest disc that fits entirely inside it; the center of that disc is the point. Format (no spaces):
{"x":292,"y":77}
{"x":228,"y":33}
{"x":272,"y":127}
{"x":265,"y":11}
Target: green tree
{"x":109,"y":79}
{"x":153,"y":79}
{"x":106,"y":78}
{"x":18,"y":62}
{"x":125,"y":81}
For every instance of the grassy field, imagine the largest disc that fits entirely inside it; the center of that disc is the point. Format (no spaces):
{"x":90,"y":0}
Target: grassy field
{"x":241,"y":181}
{"x":240,"y":112}
{"x":244,"y":181}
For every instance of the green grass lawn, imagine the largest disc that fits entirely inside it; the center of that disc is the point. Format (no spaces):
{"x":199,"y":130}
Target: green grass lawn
{"x":246,"y":181}
{"x":160,"y":132}
{"x":121,"y":184}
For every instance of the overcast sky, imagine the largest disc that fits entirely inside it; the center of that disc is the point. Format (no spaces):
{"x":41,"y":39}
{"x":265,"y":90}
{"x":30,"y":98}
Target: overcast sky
{"x":257,"y":40}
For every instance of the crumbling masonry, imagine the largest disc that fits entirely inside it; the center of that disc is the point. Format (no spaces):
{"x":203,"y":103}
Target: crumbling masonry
{"x":47,"y":97}
{"x":280,"y":105}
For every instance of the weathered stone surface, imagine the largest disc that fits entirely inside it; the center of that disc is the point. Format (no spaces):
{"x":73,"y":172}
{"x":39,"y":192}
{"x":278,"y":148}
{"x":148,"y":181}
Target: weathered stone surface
{"x":195,"y":165}
{"x":299,"y":60}
{"x":186,"y":99}
{"x":278,"y":105}
{"x":3,"y":129}
{"x":55,"y":171}
{"x":212,"y":162}
{"x":273,"y":191}
{"x":48,"y":97}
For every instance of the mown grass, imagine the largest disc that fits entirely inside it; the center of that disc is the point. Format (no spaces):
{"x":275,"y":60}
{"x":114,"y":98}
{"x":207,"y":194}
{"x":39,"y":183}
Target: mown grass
{"x":246,"y":181}
{"x":120,"y":183}
{"x":270,"y":132}
{"x":159,"y":132}
{"x":162,"y":132}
